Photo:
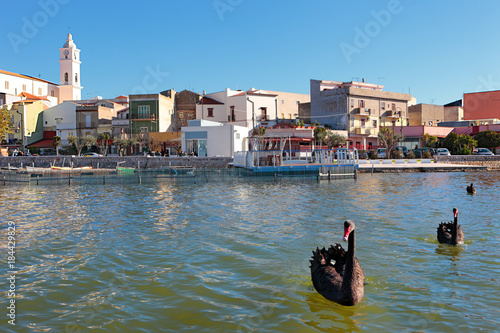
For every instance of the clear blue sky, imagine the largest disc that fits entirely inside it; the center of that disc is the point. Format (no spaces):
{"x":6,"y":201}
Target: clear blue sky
{"x":436,"y":50}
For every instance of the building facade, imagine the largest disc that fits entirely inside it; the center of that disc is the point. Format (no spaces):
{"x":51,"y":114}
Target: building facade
{"x":70,"y":87}
{"x":185,"y":108}
{"x":359,"y":108}
{"x":151,"y":113}
{"x":252,"y":108}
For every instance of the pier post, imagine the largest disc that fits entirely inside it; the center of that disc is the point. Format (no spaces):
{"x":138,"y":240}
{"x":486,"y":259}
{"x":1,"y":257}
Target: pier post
{"x":3,"y":180}
{"x":69,"y":180}
{"x":103,"y":180}
{"x":37,"y":177}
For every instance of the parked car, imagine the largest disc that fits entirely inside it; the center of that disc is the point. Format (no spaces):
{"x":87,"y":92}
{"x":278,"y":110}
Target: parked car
{"x":381,"y":153}
{"x":403,"y":150}
{"x":92,"y":155}
{"x":443,"y":152}
{"x":482,"y":151}
{"x":420,"y":152}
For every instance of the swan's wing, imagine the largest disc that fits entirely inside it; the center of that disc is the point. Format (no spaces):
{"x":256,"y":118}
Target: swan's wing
{"x":444,"y":231}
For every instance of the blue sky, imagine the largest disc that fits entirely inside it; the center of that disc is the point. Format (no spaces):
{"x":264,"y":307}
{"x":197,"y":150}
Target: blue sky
{"x":436,"y":50}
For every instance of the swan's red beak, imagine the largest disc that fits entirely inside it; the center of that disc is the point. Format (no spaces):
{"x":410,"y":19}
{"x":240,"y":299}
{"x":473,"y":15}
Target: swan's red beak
{"x":347,"y":231}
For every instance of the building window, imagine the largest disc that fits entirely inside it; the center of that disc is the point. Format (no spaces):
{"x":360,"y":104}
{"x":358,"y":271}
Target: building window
{"x":430,"y":123}
{"x":66,"y":77}
{"x":362,"y":122}
{"x":144,"y":130}
{"x":210,"y":112}
{"x":6,"y":84}
{"x":52,"y":93}
{"x":39,"y":91}
{"x":233,"y":115}
{"x":181,"y":115}
{"x":393,"y":106}
{"x":143,"y":111}
{"x":382,"y":105}
{"x":361,"y":103}
{"x":76,"y":77}
{"x":282,"y":101}
{"x":263,"y":114}
{"x":24,"y":87}
{"x":374,"y":123}
{"x":352,"y":102}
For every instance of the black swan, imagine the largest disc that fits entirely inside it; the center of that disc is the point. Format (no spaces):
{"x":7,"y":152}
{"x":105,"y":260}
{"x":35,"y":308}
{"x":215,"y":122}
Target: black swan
{"x":471,"y":189}
{"x":450,"y":232}
{"x":342,"y":281}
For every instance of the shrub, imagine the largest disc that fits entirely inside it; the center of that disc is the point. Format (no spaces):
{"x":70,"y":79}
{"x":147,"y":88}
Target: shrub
{"x":426,"y":154}
{"x":411,"y":155}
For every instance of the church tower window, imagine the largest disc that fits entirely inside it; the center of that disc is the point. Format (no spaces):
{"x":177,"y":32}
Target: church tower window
{"x":66,"y":77}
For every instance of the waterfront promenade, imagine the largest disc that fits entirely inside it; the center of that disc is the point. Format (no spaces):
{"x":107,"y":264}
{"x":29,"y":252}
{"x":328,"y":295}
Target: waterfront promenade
{"x":388,"y":167}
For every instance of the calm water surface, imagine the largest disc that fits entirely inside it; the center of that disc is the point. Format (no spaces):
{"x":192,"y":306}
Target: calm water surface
{"x":234,"y":256}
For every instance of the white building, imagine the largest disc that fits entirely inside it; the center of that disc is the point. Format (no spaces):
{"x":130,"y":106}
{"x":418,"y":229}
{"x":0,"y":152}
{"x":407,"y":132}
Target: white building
{"x":62,"y":120}
{"x":252,"y":108}
{"x":12,"y":85}
{"x":209,"y":138}
{"x":69,"y":71}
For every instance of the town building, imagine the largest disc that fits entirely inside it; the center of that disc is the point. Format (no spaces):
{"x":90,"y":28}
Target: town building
{"x":432,"y":115}
{"x":151,"y":112}
{"x":70,"y":87}
{"x":482,"y":106}
{"x":208,"y":138}
{"x":12,"y":85}
{"x":252,"y":108}
{"x":360,"y":108}
{"x":185,"y":108}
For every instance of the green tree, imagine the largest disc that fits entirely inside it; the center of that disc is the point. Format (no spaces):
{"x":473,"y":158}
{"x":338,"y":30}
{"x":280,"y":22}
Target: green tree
{"x":103,"y":143}
{"x":449,"y":142}
{"x":429,"y":140}
{"x":89,"y":141}
{"x":465,"y":144}
{"x":56,"y":142}
{"x":5,"y":122}
{"x":389,"y":140}
{"x":319,"y":135}
{"x":488,"y":139}
{"x":75,"y":142}
{"x":334,"y":139}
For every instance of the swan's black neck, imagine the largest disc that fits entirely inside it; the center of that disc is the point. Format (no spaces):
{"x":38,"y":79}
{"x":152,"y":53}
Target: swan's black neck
{"x":454,"y":232}
{"x":351,"y":254}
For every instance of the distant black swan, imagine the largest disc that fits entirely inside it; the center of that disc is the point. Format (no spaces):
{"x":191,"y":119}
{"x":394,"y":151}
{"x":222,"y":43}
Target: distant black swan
{"x":450,"y":232}
{"x":342,"y":281}
{"x":471,"y":189}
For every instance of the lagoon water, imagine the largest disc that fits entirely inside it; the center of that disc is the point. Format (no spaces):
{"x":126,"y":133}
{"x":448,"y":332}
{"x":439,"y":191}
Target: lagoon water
{"x":233,"y":256}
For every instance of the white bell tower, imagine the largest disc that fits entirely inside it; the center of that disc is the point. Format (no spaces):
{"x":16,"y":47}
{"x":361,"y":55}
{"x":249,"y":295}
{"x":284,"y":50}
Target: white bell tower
{"x":69,"y":71}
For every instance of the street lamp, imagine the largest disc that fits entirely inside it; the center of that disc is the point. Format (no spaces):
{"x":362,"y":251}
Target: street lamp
{"x":253,"y":113}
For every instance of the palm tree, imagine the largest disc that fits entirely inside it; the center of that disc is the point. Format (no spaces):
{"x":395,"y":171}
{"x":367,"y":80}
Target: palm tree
{"x":56,"y":142}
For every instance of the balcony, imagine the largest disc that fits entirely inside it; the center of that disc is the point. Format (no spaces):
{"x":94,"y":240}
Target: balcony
{"x":363,"y":111}
{"x":365,"y":131}
{"x":264,"y":117}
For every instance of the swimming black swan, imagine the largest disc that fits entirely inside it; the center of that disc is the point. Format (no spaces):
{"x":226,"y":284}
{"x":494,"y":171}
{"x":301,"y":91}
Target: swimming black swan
{"x":342,"y":281}
{"x":450,"y":232}
{"x":471,"y":189}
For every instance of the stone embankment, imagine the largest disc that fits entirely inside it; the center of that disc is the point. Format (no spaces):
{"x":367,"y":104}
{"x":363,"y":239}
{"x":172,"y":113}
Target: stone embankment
{"x":110,"y":162}
{"x":491,"y":162}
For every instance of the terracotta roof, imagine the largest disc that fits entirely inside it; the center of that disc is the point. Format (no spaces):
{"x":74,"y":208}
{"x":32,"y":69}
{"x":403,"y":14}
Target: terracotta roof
{"x":208,"y":100}
{"x":121,"y":97}
{"x":32,"y":97}
{"x":26,"y":77}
